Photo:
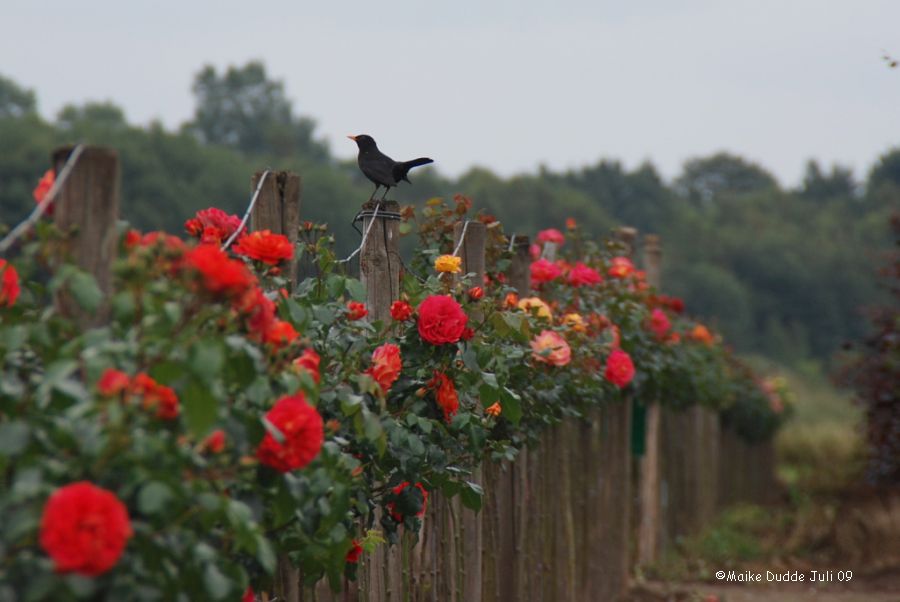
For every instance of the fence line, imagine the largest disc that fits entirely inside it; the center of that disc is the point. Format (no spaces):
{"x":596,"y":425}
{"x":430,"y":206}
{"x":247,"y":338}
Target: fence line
{"x":555,"y":523}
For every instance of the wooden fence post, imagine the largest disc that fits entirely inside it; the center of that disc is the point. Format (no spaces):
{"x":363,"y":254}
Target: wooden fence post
{"x":381,"y":576}
{"x":278,"y":209}
{"x":519,"y":274}
{"x":648,"y":488}
{"x":379,"y":259}
{"x":471,"y":237}
{"x":520,"y":502}
{"x":86,"y":210}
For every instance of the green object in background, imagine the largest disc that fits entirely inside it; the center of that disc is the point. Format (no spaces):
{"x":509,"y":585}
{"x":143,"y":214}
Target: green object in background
{"x":638,"y":429}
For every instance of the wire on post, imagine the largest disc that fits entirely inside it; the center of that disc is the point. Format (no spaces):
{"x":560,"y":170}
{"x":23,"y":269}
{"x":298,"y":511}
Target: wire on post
{"x":360,"y":215}
{"x":246,"y":217}
{"x":462,"y":237}
{"x":35,"y":215}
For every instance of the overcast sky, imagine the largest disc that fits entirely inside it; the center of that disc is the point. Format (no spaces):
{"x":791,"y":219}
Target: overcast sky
{"x":509,"y":85}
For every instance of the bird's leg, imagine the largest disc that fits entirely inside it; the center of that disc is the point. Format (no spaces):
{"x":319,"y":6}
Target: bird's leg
{"x":386,"y":190}
{"x":374,"y":192}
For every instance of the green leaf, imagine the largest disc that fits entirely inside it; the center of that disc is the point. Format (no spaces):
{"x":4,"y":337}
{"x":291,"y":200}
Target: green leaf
{"x":374,"y":431}
{"x":123,"y":306}
{"x":356,"y":289}
{"x":84,"y":289}
{"x":154,"y":496}
{"x":200,"y":408}
{"x":207,"y":358}
{"x":511,"y":405}
{"x":217,"y":585}
{"x":471,"y":495}
{"x":265,"y":554}
{"x":13,"y":437}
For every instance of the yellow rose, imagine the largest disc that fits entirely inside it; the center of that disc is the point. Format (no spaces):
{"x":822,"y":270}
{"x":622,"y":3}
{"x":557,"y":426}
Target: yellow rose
{"x":575,"y":322}
{"x":448,"y":263}
{"x":543,"y":310}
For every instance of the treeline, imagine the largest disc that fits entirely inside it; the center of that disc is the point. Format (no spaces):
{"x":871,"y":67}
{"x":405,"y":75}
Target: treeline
{"x":782,"y":272}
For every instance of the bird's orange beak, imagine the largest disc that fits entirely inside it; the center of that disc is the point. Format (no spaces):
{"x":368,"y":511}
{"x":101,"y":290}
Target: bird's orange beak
{"x":352,"y":138}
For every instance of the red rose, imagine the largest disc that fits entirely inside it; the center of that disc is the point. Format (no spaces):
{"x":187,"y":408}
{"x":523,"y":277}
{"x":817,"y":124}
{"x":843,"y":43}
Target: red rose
{"x":220,"y":274}
{"x":582,"y":275}
{"x":445,"y":394}
{"x":280,"y":333}
{"x":551,"y":235}
{"x":44,"y":185}
{"x":386,"y":366}
{"x":543,"y":271}
{"x":259,"y":311}
{"x":171,"y":244}
{"x":84,"y":529}
{"x":264,"y":246}
{"x":401,"y":311}
{"x":354,"y":553}
{"x":467,"y":334}
{"x":132,"y":238}
{"x":9,"y":284}
{"x":112,"y":382}
{"x":676,"y":305}
{"x":309,"y":362}
{"x":215,"y":442}
{"x":302,"y":432}
{"x":620,"y":267}
{"x":212,"y":225}
{"x":356,"y":310}
{"x":441,"y":320}
{"x":619,"y":368}
{"x":476,"y":292}
{"x":571,"y":224}
{"x":154,"y":396}
{"x":659,"y":323}
{"x":405,"y":501}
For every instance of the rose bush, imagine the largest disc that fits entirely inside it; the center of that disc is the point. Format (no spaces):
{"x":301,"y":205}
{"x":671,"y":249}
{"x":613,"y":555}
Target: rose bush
{"x":217,"y":424}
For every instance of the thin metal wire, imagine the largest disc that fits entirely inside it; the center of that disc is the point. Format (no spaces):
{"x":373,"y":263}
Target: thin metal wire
{"x":512,"y":242}
{"x":246,"y":213}
{"x":462,"y":237}
{"x":365,"y":236}
{"x":35,"y":215}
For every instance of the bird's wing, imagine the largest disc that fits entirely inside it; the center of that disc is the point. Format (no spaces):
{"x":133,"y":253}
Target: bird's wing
{"x":379,"y":168}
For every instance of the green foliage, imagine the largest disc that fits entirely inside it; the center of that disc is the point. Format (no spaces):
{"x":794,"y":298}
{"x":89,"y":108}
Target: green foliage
{"x":781,"y":272}
{"x":208,"y":521}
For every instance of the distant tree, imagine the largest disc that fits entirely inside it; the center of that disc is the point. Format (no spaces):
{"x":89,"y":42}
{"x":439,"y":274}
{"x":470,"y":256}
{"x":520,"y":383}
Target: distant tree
{"x":91,"y":115}
{"x":15,"y":102}
{"x":819,"y":185}
{"x":705,"y":179}
{"x":886,"y":171}
{"x":245,"y":110}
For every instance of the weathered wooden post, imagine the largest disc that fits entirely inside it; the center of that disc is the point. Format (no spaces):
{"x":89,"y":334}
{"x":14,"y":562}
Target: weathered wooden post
{"x":379,"y":259}
{"x":470,"y":237}
{"x":277,"y":209}
{"x":381,"y":577}
{"x":85,"y":210}
{"x":649,"y":472}
{"x":520,"y":504}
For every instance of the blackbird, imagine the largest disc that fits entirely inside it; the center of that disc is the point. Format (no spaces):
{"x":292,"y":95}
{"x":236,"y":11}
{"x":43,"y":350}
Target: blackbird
{"x":381,"y":169}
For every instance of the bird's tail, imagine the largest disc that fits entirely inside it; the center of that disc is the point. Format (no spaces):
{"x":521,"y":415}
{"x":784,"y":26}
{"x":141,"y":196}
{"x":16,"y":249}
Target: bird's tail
{"x":401,"y":169}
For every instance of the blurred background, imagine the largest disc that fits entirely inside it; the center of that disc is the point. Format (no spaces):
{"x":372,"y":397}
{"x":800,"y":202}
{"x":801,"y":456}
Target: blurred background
{"x":760,"y":139}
